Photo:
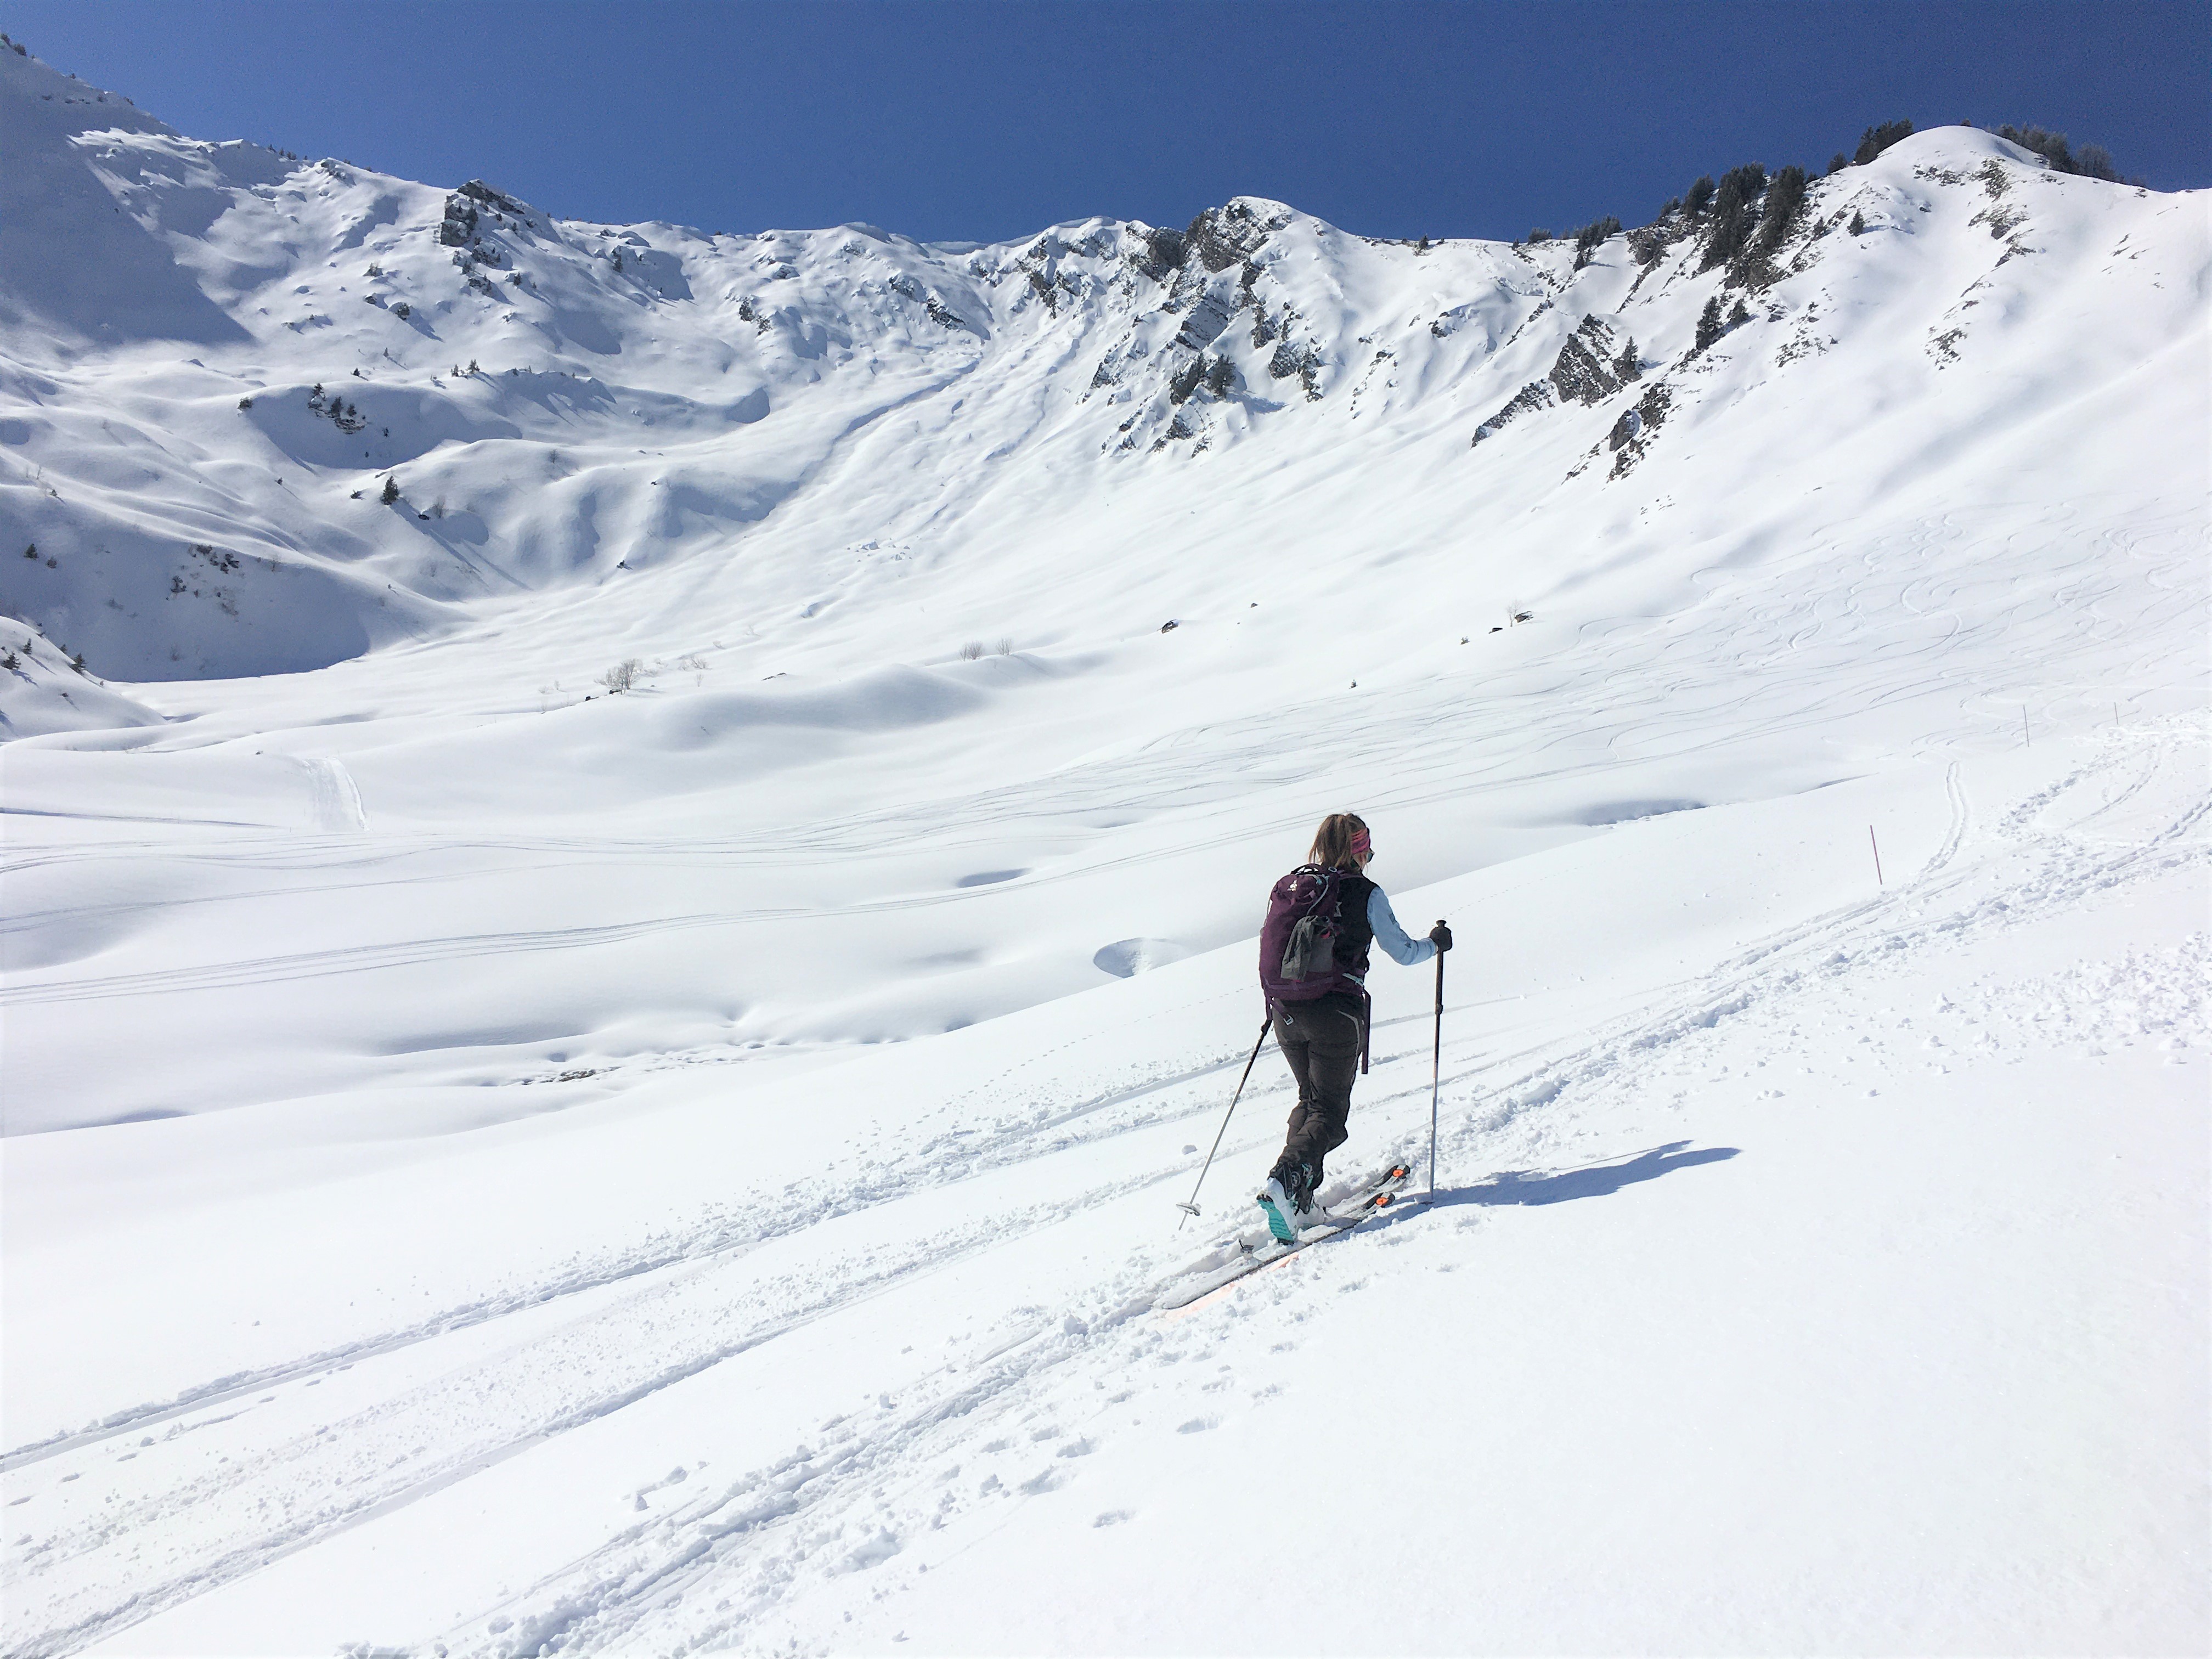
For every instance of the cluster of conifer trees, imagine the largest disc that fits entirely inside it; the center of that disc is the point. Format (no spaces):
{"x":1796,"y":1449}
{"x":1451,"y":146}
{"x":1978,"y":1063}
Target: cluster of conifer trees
{"x":2090,"y":161}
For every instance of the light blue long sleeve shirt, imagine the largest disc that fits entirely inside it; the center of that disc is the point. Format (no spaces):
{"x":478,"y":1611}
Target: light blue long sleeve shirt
{"x":1391,"y":937}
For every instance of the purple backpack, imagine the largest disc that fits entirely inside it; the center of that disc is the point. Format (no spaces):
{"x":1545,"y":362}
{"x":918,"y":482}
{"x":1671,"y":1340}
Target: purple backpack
{"x":1298,"y":942}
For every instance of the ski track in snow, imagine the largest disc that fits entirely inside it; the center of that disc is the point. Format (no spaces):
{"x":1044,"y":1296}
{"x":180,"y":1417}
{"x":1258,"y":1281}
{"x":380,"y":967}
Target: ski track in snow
{"x":634,"y":1589}
{"x":2137,"y":812}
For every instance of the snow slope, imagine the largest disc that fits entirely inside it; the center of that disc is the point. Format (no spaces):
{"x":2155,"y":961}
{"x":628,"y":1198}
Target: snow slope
{"x":494,"y":1162}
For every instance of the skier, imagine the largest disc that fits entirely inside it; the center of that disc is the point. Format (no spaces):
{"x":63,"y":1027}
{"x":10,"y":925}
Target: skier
{"x":1313,"y":967}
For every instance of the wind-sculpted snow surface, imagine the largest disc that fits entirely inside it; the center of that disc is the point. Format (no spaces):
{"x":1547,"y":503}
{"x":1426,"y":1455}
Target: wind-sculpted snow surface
{"x":601,"y":1053}
{"x":961,"y":1235}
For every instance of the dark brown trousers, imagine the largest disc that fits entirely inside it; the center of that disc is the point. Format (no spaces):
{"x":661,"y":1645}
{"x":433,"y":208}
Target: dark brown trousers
{"x":1322,"y":1041}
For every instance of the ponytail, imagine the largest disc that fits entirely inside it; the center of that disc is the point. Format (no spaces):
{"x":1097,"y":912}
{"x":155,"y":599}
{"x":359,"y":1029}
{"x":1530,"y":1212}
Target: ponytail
{"x":1333,"y":845}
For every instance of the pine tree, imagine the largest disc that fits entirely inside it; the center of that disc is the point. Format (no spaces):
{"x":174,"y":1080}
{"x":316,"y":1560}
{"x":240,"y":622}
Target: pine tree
{"x":1709,"y":325}
{"x":1592,"y":236}
{"x":1838,"y":161}
{"x":390,"y":492}
{"x":1732,"y":221}
{"x":1700,"y":194}
{"x":1784,"y":198}
{"x":2091,"y":161}
{"x":1874,"y":139}
{"x":2095,"y":161}
{"x":1859,"y":223}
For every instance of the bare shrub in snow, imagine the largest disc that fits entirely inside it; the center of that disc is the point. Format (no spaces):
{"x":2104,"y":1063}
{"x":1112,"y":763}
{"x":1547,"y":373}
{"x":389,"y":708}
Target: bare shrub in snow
{"x":622,"y":675}
{"x":971,"y":650}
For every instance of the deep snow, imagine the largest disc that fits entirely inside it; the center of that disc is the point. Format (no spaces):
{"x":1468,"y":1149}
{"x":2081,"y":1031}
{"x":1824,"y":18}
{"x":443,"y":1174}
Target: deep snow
{"x":688,"y":1168}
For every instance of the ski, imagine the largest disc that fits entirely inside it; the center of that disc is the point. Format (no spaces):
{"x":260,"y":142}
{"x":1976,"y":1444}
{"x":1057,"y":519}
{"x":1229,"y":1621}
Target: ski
{"x":1246,"y":1259}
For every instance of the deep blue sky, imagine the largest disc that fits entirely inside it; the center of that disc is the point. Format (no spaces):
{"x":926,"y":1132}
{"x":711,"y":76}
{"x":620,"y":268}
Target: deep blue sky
{"x":983,"y":119}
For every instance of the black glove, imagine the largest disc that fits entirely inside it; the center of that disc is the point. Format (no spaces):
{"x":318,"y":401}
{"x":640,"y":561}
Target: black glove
{"x":1440,"y":936}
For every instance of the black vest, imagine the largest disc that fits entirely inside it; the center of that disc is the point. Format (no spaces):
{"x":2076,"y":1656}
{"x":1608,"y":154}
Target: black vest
{"x":1354,"y":934}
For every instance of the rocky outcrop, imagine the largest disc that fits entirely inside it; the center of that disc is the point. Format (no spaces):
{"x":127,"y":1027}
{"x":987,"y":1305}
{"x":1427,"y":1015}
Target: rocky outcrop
{"x":1587,"y":370}
{"x":1162,"y":254}
{"x":1632,"y":432}
{"x":1537,"y":394}
{"x":1226,"y":236}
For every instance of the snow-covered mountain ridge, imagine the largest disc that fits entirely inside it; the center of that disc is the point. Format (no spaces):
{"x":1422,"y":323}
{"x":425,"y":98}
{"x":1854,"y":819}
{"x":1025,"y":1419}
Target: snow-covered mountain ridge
{"x":215,"y":357}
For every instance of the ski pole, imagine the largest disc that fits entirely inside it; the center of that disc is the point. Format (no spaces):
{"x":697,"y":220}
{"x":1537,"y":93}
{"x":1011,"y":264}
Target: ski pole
{"x":1436,"y":1073}
{"x":1191,"y":1208}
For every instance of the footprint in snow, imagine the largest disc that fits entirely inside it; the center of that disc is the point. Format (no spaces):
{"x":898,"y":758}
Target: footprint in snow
{"x":872,"y":1552}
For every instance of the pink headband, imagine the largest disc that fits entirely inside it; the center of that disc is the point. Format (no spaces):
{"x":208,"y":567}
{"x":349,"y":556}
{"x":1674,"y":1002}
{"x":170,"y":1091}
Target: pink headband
{"x":1359,"y":842}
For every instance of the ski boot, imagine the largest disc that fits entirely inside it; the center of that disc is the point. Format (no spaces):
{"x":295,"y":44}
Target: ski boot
{"x":1287,"y":1200}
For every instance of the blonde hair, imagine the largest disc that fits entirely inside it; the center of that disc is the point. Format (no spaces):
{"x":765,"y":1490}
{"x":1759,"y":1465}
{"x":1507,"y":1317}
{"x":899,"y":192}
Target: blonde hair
{"x":1332,"y":844}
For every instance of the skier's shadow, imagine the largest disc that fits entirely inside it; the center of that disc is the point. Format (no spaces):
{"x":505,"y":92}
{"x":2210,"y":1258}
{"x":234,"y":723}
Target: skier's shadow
{"x":1591,"y":1181}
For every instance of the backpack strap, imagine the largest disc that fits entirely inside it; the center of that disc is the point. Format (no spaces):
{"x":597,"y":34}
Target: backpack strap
{"x":1330,"y":887}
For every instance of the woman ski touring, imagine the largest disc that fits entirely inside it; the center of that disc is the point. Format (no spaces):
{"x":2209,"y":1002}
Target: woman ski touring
{"x":1321,"y":918}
